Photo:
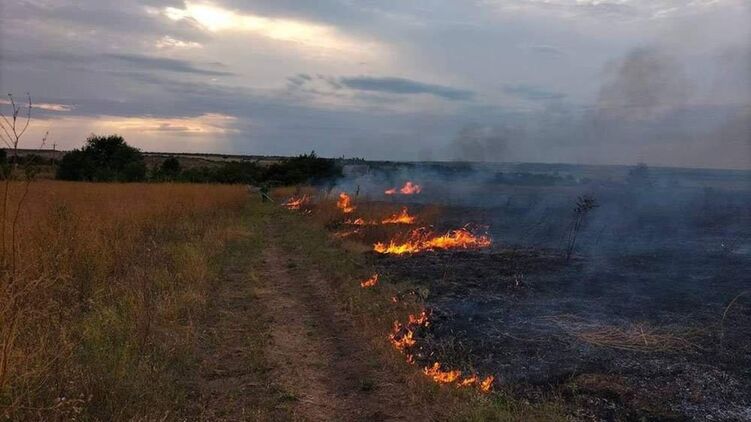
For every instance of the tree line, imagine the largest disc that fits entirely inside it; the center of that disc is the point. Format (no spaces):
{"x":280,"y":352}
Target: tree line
{"x":111,"y":159}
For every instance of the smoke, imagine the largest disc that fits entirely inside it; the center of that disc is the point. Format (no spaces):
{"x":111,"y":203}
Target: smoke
{"x":482,"y":143}
{"x":681,"y":101}
{"x":647,"y":83}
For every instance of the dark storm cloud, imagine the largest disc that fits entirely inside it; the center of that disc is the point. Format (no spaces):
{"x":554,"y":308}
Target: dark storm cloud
{"x":160,"y":63}
{"x":405,"y":86}
{"x":532,"y":93}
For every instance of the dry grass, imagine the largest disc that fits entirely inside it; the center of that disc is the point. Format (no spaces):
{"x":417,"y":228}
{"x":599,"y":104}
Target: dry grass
{"x":97,"y":316}
{"x":638,"y":337}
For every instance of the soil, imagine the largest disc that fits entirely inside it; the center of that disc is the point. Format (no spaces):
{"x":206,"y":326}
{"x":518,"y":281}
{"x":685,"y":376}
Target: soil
{"x":523,"y":315}
{"x":317,"y":369}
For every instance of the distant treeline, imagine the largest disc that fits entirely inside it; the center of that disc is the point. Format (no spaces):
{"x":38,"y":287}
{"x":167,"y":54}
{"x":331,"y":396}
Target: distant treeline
{"x":111,"y":159}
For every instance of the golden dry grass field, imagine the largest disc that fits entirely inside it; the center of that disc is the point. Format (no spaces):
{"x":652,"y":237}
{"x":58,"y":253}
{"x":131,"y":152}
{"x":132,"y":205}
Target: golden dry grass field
{"x":101,"y":288}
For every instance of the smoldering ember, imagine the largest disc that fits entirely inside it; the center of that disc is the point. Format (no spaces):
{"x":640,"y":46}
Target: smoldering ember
{"x":497,"y":210}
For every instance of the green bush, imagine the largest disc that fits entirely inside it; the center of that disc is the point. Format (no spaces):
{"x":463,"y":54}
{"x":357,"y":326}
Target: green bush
{"x":103,"y":159}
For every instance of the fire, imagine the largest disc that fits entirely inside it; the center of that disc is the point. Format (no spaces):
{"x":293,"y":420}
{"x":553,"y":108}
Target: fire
{"x":424,"y":240}
{"x":441,"y":376}
{"x":347,"y":233}
{"x":468,"y":382}
{"x":296,"y":203}
{"x":369,"y":282}
{"x":487,"y":384}
{"x":402,"y":335}
{"x":401,"y":218}
{"x":409,"y":188}
{"x":345,"y":203}
{"x":421,"y":319}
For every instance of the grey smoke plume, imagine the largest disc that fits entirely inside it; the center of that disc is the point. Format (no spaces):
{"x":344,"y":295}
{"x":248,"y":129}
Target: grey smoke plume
{"x":650,"y":108}
{"x":645,"y":84}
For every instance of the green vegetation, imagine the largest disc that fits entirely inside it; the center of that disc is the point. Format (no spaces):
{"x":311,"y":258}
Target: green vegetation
{"x":111,"y":159}
{"x":103,"y":159}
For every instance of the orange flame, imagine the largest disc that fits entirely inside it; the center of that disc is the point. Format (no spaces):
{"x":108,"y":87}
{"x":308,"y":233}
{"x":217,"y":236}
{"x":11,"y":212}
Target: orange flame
{"x":421,"y":319}
{"x":487,"y":384}
{"x":401,"y":218}
{"x":369,"y":282}
{"x":296,"y":203}
{"x":345,"y":203}
{"x":441,"y":376}
{"x":424,"y":240}
{"x":409,"y":188}
{"x":402,"y":335}
{"x":469,"y":381}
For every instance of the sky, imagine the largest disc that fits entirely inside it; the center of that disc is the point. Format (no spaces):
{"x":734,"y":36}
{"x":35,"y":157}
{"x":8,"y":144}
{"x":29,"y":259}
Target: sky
{"x":663,"y":82}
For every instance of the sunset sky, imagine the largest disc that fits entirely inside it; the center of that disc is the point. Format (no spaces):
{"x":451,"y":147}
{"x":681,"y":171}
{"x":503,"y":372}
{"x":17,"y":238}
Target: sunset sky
{"x":666,"y":82}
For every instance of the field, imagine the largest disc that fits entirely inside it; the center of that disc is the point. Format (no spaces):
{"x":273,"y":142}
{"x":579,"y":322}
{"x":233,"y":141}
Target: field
{"x":454,"y":300}
{"x":102,"y":288}
{"x":648,"y":319}
{"x":179,"y":301}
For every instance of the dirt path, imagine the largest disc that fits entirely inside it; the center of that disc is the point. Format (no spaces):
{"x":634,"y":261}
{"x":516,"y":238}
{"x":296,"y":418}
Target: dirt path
{"x":329,"y":372}
{"x":230,"y":384}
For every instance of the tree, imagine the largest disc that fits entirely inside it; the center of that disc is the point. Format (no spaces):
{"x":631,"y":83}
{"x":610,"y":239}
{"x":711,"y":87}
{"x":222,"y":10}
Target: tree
{"x":171,"y":166}
{"x":103,"y":159}
{"x":305,"y":168}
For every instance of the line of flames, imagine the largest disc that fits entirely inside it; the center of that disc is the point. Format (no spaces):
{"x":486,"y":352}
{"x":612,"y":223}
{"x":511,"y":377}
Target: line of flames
{"x":402,"y":337}
{"x":402,"y":217}
{"x":409,"y":188}
{"x":423,"y":239}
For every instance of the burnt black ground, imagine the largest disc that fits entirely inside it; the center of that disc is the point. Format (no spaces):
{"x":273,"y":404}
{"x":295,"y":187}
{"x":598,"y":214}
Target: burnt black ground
{"x":667,"y":262}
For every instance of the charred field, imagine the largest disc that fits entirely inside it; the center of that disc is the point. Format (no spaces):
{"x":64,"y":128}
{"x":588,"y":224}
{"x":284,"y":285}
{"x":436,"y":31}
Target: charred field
{"x":648,"y":317}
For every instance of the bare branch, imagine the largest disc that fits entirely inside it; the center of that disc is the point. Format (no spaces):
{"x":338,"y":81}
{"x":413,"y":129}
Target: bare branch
{"x":28,"y":116}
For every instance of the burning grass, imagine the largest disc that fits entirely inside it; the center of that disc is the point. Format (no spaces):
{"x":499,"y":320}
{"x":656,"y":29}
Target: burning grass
{"x":296,"y":202}
{"x":409,"y":188}
{"x":370,"y":282}
{"x":376,"y":310}
{"x":345,"y":203}
{"x":424,"y":239}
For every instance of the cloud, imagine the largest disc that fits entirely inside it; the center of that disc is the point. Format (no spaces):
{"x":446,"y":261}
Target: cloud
{"x":405,"y":86}
{"x":56,"y":107}
{"x":161,"y":63}
{"x":612,"y":9}
{"x":546,"y":50}
{"x":532,"y":93}
{"x":217,"y":19}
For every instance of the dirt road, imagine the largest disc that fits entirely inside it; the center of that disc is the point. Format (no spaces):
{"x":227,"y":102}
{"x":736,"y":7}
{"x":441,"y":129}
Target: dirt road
{"x":313,"y":367}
